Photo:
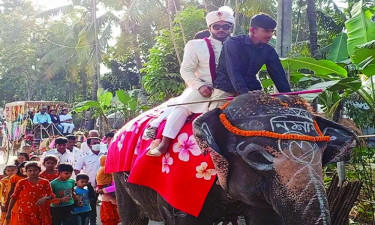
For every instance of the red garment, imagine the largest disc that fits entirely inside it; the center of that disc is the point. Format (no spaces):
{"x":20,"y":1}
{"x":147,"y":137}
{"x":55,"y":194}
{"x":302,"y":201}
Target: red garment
{"x":183,"y":176}
{"x":49,"y":176}
{"x":14,"y":179}
{"x":109,"y":214}
{"x":27,"y":194}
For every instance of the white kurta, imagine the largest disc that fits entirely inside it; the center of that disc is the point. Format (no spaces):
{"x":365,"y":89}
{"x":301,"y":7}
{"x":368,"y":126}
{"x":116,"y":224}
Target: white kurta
{"x":195,"y":70}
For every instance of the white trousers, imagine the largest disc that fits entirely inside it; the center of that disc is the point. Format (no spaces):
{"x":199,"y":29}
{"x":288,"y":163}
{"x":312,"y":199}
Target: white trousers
{"x":175,"y":121}
{"x":67,"y":127}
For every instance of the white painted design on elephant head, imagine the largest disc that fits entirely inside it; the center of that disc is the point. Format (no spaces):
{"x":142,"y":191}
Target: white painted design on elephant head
{"x":291,"y":125}
{"x":308,"y":176}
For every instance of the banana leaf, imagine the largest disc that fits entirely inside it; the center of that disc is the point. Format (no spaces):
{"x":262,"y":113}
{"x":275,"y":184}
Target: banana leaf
{"x":338,"y":51}
{"x":360,"y":28}
{"x":321,"y":68}
{"x":364,"y":57}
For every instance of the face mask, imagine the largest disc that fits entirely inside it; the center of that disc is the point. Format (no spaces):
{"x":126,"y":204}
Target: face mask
{"x":96,"y":147}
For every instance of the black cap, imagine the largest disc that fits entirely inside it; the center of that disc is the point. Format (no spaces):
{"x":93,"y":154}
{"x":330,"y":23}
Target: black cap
{"x":61,"y":140}
{"x":264,"y":21}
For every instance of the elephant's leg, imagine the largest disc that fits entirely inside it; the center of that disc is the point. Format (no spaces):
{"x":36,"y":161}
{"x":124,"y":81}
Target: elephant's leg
{"x":262,"y":216}
{"x":173,"y":216}
{"x":128,"y":210}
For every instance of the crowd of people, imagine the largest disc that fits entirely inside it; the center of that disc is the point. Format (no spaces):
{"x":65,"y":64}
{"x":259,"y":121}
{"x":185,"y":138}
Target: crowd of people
{"x":63,"y":186}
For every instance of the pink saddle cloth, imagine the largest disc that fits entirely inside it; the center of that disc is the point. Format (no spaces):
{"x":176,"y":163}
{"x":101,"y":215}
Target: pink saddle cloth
{"x":183,"y":176}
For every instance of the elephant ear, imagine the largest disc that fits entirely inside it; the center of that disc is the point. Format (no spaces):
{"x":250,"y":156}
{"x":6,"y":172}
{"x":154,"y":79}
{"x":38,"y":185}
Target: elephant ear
{"x":343,"y":140}
{"x":210,"y":132}
{"x":210,"y":135}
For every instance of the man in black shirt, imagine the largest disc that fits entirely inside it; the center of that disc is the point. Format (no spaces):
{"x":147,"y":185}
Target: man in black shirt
{"x":243,"y":56}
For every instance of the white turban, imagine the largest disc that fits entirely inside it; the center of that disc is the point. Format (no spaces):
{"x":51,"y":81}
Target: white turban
{"x":220,"y":15}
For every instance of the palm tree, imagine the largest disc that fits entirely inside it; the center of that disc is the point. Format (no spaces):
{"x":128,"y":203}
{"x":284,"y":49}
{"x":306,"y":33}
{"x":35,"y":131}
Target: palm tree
{"x":87,"y":37}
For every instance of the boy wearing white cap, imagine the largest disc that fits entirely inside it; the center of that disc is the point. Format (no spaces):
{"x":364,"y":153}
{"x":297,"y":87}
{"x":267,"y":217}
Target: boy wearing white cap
{"x":198,"y":69}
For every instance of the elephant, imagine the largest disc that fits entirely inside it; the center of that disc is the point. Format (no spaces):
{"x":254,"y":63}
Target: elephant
{"x":268,"y":152}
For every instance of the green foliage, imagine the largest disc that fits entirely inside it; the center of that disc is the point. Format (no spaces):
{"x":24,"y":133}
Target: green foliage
{"x":162,"y":79}
{"x":338,"y":51}
{"x":360,"y":28}
{"x":363,"y":164}
{"x":364,"y":57}
{"x":124,"y":76}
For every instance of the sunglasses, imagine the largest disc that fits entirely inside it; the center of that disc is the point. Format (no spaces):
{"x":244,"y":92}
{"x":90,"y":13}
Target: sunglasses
{"x":224,"y":27}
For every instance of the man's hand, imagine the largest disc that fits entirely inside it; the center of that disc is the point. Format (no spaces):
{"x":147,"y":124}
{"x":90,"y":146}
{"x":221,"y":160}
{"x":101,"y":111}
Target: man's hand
{"x":205,"y":91}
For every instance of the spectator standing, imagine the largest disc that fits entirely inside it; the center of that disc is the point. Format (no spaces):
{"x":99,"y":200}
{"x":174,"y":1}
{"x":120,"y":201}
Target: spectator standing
{"x":63,"y":188}
{"x":42,"y":117}
{"x":50,"y":173}
{"x":33,"y":195}
{"x":22,"y":157}
{"x":14,"y":179}
{"x":5,"y":188}
{"x":81,"y":212}
{"x":66,"y":121}
{"x":90,"y":164}
{"x":106,"y":187}
{"x":60,"y":152}
{"x":84,"y":146}
{"x":72,"y":140}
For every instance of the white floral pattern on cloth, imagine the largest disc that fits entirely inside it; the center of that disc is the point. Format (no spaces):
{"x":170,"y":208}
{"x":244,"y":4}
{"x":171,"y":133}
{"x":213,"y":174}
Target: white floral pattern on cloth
{"x":166,"y":161}
{"x":119,"y":143}
{"x":186,"y":145}
{"x":203,"y":172}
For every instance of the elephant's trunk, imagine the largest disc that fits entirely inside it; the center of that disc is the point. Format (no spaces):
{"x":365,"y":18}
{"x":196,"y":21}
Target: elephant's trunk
{"x":300,"y":196}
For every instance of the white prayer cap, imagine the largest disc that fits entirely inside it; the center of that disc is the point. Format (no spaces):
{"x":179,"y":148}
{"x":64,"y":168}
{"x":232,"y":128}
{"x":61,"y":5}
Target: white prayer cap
{"x":220,"y":15}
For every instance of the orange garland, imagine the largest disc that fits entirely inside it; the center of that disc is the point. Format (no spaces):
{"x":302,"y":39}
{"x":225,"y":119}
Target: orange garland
{"x":263,"y":133}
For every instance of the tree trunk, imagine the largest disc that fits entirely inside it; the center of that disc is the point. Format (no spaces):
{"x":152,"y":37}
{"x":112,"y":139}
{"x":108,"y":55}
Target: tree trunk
{"x":83,"y":77}
{"x":170,"y":20}
{"x":236,"y":18}
{"x":138,"y":65}
{"x":96,"y":54}
{"x":313,"y":28}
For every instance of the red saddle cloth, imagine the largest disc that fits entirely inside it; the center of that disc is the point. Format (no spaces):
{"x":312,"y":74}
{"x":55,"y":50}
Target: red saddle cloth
{"x":183,"y":176}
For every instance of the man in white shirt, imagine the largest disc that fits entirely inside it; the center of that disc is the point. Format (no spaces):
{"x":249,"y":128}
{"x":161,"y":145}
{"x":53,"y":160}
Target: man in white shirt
{"x":60,"y":152}
{"x":89,"y":164}
{"x":72,"y":148}
{"x":66,"y":121}
{"x":198,"y":69}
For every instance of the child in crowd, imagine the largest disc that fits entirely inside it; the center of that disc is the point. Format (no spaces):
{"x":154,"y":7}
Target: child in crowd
{"x":50,"y":173}
{"x":81,"y":212}
{"x":63,"y":188}
{"x":106,"y":187}
{"x":32,"y":195}
{"x":22,"y":157}
{"x":14,"y":179}
{"x":5,"y":188}
{"x":34,"y":158}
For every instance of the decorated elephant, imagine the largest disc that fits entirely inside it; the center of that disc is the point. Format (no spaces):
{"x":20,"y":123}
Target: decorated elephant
{"x":268,"y":154}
